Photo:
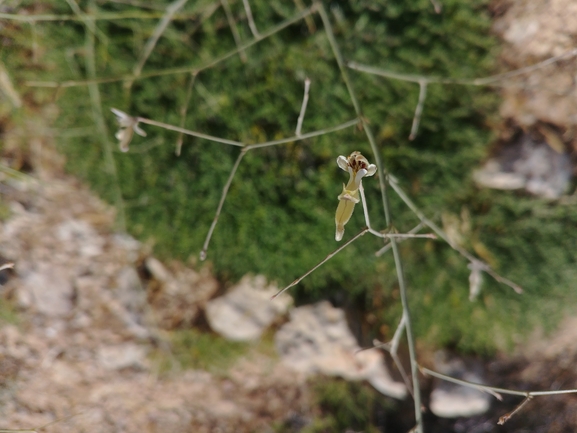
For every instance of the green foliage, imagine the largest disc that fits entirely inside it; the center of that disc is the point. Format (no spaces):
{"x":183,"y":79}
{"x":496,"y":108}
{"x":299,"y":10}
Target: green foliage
{"x":8,"y":313}
{"x":346,"y":406}
{"x":192,"y":349}
{"x":278,"y":218}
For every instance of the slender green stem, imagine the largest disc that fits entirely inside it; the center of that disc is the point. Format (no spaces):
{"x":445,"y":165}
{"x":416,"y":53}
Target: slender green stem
{"x":221,"y":203}
{"x":101,"y":124}
{"x":399,"y":268}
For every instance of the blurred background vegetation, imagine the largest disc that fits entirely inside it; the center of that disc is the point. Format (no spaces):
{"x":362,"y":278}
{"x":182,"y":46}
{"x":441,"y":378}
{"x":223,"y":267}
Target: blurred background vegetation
{"x":278,"y":218}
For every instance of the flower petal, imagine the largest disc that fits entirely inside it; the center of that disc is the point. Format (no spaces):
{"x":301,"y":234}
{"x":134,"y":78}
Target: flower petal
{"x":139,"y":130}
{"x":371,"y":170}
{"x":343,"y":163}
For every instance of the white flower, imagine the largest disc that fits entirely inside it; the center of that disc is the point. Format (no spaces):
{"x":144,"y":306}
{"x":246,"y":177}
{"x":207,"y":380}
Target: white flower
{"x":128,"y":126}
{"x":358,"y":167}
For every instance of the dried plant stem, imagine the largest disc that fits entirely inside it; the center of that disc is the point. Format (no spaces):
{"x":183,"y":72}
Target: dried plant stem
{"x":392,"y":347}
{"x":171,"y":9}
{"x":249,"y":146}
{"x":484,"y":81}
{"x":250,"y":18}
{"x":507,"y":416}
{"x":397,"y":257}
{"x":418,"y":109}
{"x":387,"y":247}
{"x":303,"y":107}
{"x":387,"y":235}
{"x":189,"y":132}
{"x":344,"y":125}
{"x":221,"y":203}
{"x":101,"y":124}
{"x":401,"y":193}
{"x":494,"y":390}
{"x":102,"y":16}
{"x":178,"y":70}
{"x":183,"y":111}
{"x":322,"y":262}
{"x":233,"y":29}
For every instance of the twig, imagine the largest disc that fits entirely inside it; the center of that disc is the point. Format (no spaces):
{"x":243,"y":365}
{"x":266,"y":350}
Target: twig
{"x":221,"y":203}
{"x":478,"y":386}
{"x":183,"y":111}
{"x":102,"y":16}
{"x":388,"y":246}
{"x":189,"y":132}
{"x":399,"y":268}
{"x":7,"y":266}
{"x":344,"y":125}
{"x":393,"y":183}
{"x":240,"y":144}
{"x":322,"y":262}
{"x":250,"y":19}
{"x":507,"y":416}
{"x":233,"y":29}
{"x":484,"y":81}
{"x":392,"y":347}
{"x":419,"y":109}
{"x":100,"y":123}
{"x":494,"y":389}
{"x":177,"y":70}
{"x":171,"y":9}
{"x":303,"y":107}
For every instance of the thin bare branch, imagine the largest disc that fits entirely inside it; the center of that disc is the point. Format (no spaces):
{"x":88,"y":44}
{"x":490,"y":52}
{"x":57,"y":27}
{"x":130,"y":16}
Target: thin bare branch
{"x":480,"y":387}
{"x":484,"y":81}
{"x":305,"y":136}
{"x":189,"y":132}
{"x":491,"y":389}
{"x":419,"y":109}
{"x":178,"y":70}
{"x":250,"y":19}
{"x":392,"y":347}
{"x":101,"y":16}
{"x":303,"y":107}
{"x":507,"y":416}
{"x":171,"y":9}
{"x":98,"y":116}
{"x":410,"y":341}
{"x":322,"y":262}
{"x":183,"y":111}
{"x":401,"y":193}
{"x":221,"y":203}
{"x":387,"y":247}
{"x":233,"y":29}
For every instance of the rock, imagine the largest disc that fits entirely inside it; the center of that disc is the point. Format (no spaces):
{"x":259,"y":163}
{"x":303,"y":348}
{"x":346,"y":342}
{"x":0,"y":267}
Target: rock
{"x":528,"y":163}
{"x":157,"y":269}
{"x":77,"y":235}
{"x":318,"y":340}
{"x":246,"y":310}
{"x":48,"y":289}
{"x":118,"y":357}
{"x":129,"y":290}
{"x":450,"y":400}
{"x":178,"y":295}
